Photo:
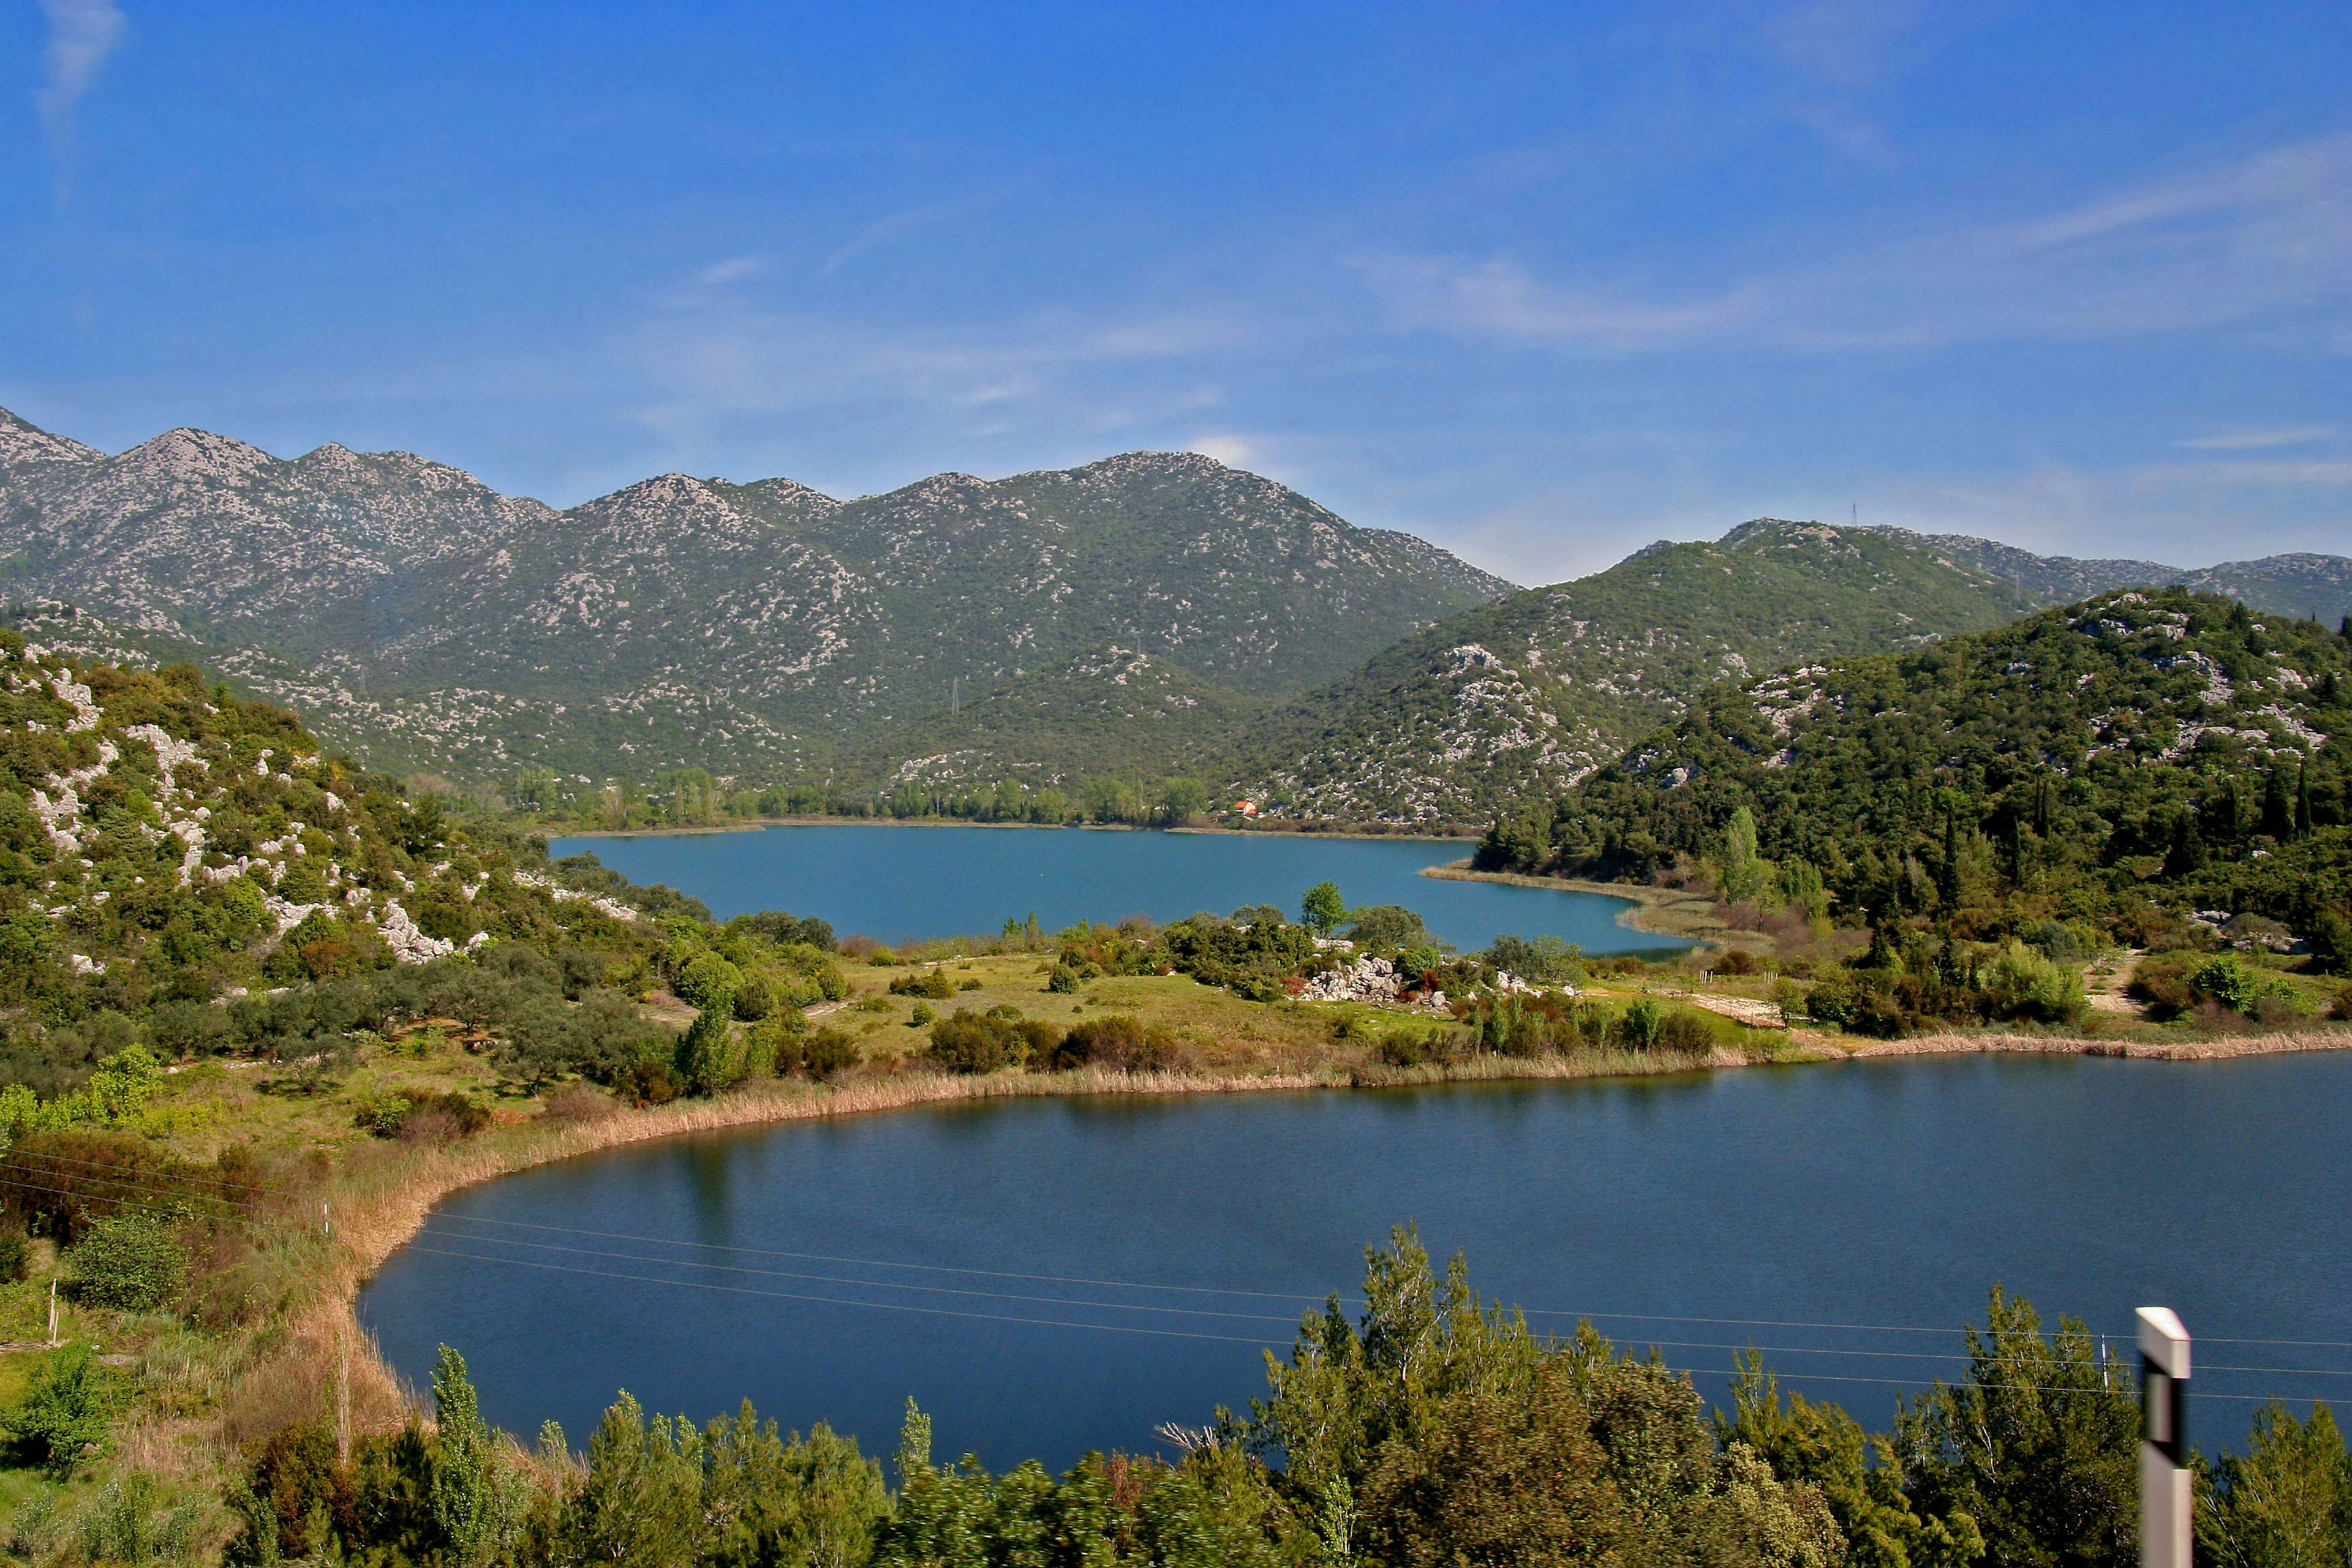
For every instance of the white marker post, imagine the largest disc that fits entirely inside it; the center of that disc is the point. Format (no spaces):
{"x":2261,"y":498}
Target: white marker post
{"x":2166,"y":1527}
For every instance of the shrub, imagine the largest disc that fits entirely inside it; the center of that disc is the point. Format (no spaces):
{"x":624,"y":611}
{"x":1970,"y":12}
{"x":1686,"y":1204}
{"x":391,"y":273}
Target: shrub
{"x":2331,"y":944}
{"x":969,"y":1042}
{"x":130,"y":1262}
{"x":1120,"y":1040}
{"x":1063,"y":981}
{"x":921,"y":1016}
{"x":1735,"y":961}
{"x":936,"y":983}
{"x":2226,"y":980}
{"x":826,"y":1052}
{"x":1388,"y":927}
{"x":443,"y":1119}
{"x":1685,"y":1030}
{"x":14,"y":1254}
{"x":63,"y":1414}
{"x":2023,"y":983}
{"x":1408,"y":1049}
{"x":651,"y":1080}
{"x":704,"y":979}
{"x":1639,"y":1024}
{"x":576,"y":1102}
{"x":2342,"y":1006}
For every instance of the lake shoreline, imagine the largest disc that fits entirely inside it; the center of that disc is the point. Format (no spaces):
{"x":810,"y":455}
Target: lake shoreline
{"x":1653,"y":911}
{"x":372,"y":1224}
{"x":756,"y":824}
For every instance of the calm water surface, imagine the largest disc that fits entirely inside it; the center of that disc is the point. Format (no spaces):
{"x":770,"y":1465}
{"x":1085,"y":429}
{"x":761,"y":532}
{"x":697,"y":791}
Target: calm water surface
{"x":1885,"y":1194}
{"x":902,"y":882}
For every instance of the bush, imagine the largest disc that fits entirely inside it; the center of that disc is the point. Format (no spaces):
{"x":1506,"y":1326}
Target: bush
{"x":651,"y":1080}
{"x":921,"y":1016}
{"x":969,"y":1042}
{"x":1120,"y":1040}
{"x":2342,"y":1006}
{"x":1409,"y":1048}
{"x":2023,"y":983}
{"x":1639,"y":1024}
{"x":2226,"y":980}
{"x":14,"y":1254}
{"x":935,"y":984}
{"x":128,"y":1261}
{"x":1388,"y":927}
{"x":1063,"y":981}
{"x":577,"y":1102}
{"x":1685,"y":1030}
{"x":63,"y":1415}
{"x":706,"y":978}
{"x":826,"y":1052}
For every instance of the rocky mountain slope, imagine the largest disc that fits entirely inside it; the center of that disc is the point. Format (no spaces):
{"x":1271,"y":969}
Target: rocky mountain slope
{"x":164,"y":844}
{"x":2301,"y":585}
{"x":1523,"y":696}
{"x":2090,"y":762}
{"x":414,"y":613}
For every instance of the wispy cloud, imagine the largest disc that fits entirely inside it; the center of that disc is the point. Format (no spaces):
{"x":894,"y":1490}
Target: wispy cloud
{"x":2267,"y":237}
{"x":2316,"y":471}
{"x":82,"y":33}
{"x":914,"y":220}
{"x":2258,"y":440}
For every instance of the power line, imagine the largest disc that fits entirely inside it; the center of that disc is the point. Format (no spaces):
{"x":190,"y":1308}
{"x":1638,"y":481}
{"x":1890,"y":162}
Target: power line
{"x":2123,"y":1388}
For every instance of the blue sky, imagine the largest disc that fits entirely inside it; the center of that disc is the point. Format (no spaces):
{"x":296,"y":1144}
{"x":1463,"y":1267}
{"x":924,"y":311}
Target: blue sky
{"x":1540,"y":282}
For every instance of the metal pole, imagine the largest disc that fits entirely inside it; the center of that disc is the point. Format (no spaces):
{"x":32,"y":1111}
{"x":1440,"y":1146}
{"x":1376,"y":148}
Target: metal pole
{"x":2166,"y":1526}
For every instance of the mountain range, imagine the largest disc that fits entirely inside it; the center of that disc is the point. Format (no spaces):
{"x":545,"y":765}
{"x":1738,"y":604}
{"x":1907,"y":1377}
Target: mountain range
{"x":415,"y":614}
{"x":1151,"y":614}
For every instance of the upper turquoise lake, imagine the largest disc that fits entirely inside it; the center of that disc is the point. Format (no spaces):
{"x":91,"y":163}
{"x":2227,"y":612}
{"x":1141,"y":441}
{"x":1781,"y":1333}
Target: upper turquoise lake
{"x":901,"y":883}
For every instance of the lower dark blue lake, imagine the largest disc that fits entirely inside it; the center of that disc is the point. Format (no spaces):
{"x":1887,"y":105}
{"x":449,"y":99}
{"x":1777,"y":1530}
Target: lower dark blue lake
{"x":895,"y":883}
{"x":1050,"y":1276}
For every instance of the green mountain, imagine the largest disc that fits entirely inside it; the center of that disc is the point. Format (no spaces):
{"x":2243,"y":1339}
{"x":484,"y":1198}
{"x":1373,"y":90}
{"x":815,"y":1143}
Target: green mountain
{"x":2105,"y":762}
{"x":762,"y":629}
{"x":164,"y":844}
{"x":2315,"y":587}
{"x":1523,"y":696}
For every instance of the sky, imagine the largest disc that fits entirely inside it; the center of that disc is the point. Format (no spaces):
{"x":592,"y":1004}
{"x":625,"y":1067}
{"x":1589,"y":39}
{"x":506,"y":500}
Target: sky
{"x":1541,"y":283}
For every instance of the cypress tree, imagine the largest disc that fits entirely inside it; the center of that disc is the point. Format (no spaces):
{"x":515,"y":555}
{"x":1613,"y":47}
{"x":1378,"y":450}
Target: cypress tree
{"x":1947,"y":873}
{"x":2303,"y":800}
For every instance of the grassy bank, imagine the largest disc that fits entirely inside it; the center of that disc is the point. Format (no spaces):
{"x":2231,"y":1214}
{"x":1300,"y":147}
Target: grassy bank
{"x":1656,"y":911}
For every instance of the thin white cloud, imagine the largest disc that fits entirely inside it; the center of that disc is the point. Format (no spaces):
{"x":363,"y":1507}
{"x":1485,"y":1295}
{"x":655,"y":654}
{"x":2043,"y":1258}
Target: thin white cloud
{"x":913,"y":220}
{"x":82,"y":33}
{"x":2314,"y":472}
{"x":2258,"y":440}
{"x":733,"y":270}
{"x":2265,"y":240}
{"x":1233,"y":451}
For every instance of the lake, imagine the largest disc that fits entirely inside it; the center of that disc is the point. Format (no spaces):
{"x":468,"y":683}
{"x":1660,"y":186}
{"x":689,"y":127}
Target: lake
{"x":1049,"y":1276}
{"x":896,"y":883}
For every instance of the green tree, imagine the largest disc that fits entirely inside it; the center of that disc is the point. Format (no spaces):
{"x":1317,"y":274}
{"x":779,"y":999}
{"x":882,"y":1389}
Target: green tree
{"x":709,"y":1056}
{"x":1322,"y":909}
{"x":476,"y":1502}
{"x":2038,"y":1446}
{"x":2287,"y":1502}
{"x":1180,"y":800}
{"x":1823,"y":1445}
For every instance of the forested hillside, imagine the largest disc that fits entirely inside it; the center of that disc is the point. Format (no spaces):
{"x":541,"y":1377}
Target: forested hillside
{"x":2118,"y":764}
{"x":1527,"y":695}
{"x":418,"y":617}
{"x":2303,"y":586}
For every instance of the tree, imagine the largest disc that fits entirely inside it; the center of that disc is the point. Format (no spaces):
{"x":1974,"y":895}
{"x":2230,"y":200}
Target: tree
{"x":2038,"y":1445}
{"x":1180,"y":800}
{"x":2287,"y":1502}
{"x":476,"y":1504}
{"x":1322,"y":909}
{"x":709,"y":1058}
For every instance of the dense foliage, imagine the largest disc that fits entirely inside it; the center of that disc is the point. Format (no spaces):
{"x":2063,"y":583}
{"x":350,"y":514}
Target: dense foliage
{"x":2104,"y":771}
{"x":1431,"y":1427}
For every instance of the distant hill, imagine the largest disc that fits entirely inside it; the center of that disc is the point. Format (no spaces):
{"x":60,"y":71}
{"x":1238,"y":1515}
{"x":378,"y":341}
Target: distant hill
{"x":1522,"y":697}
{"x":763,"y":629}
{"x":2103,"y":761}
{"x":2319,"y":586}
